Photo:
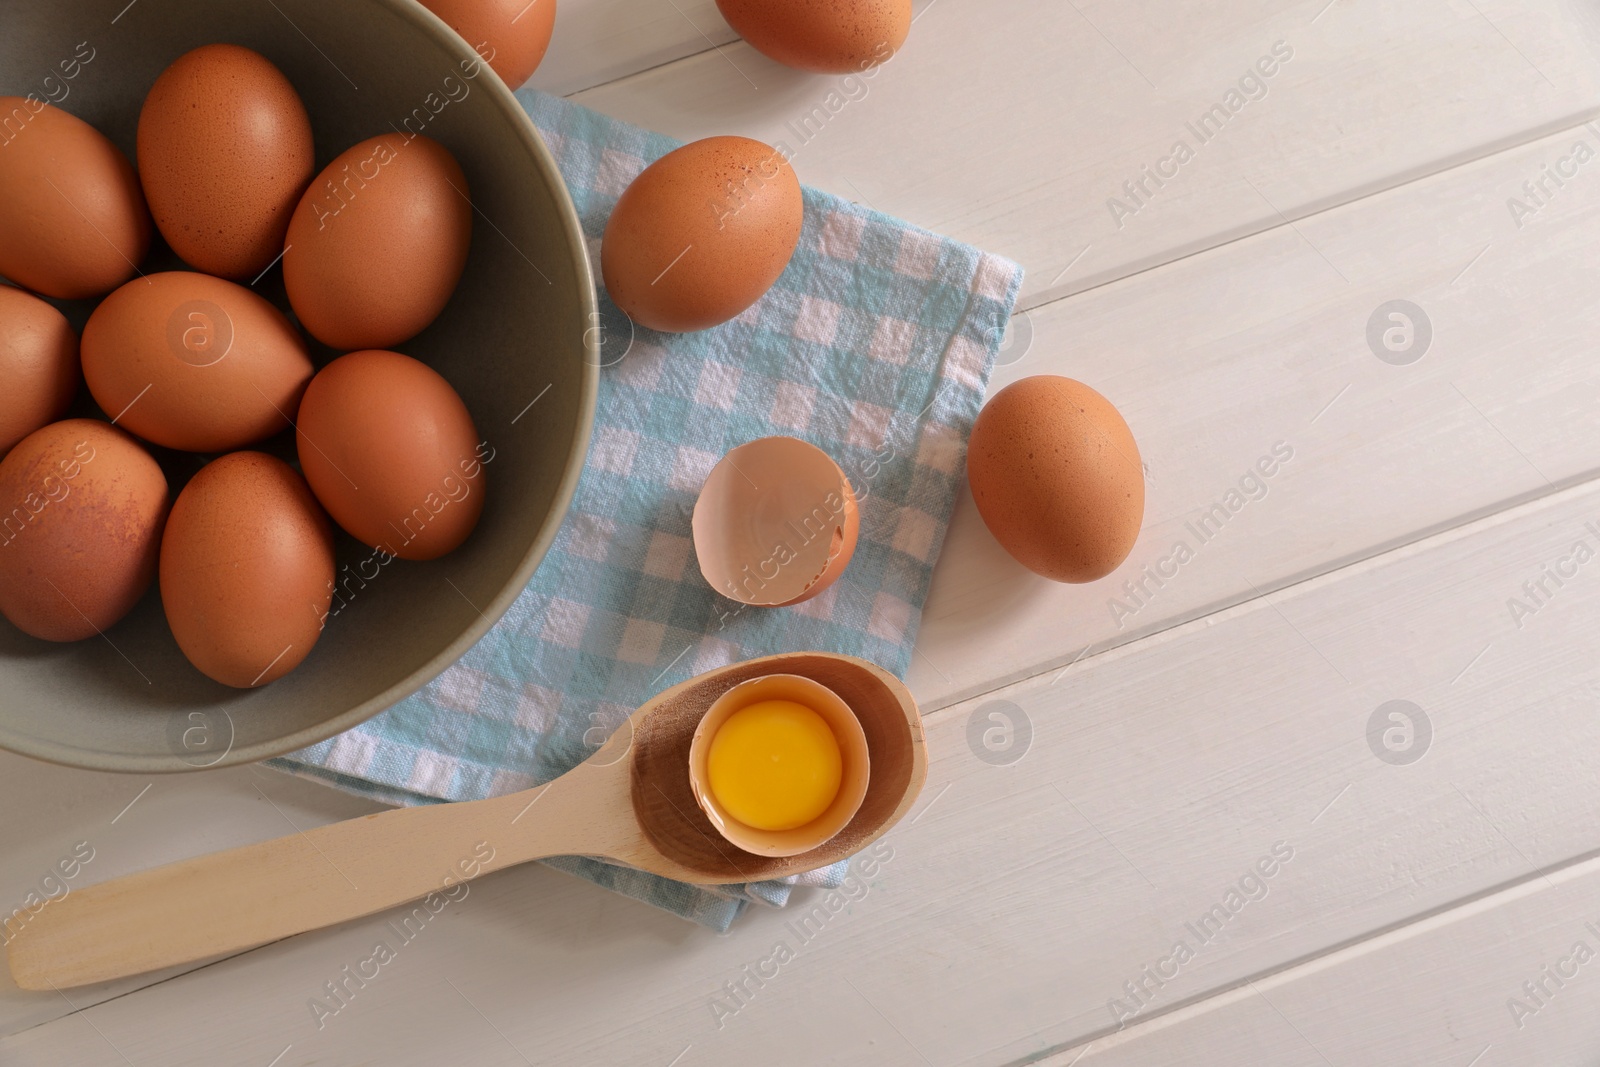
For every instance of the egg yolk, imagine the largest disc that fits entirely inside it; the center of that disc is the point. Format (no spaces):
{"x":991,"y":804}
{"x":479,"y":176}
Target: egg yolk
{"x":774,"y":765}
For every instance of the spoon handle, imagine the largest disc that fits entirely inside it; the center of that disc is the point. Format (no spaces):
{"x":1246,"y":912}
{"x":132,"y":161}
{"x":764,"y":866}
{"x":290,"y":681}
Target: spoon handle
{"x":230,"y":901}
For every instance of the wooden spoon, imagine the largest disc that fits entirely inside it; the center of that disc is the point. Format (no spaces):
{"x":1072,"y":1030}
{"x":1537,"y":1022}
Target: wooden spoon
{"x":638,"y":811}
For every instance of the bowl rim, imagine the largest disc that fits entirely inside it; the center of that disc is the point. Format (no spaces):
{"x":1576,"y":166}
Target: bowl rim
{"x":435,"y":28}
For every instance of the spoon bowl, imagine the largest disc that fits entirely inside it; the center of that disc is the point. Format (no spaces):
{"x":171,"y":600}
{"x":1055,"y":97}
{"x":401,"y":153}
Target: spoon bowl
{"x":631,"y":802}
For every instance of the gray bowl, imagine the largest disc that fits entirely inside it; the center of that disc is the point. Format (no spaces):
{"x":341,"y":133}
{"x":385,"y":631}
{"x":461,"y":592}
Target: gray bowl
{"x":516,"y":330}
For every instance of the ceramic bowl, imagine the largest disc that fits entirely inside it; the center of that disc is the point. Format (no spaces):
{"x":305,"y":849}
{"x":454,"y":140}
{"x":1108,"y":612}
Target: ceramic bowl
{"x":516,"y":330}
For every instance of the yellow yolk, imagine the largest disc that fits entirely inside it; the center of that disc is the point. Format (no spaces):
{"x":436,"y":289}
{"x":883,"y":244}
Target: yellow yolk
{"x":774,"y":765}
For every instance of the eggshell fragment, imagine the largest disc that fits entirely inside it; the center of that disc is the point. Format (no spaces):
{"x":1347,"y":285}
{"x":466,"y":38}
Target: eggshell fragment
{"x":824,"y":36}
{"x":81,"y":512}
{"x":194,"y":362}
{"x":378,"y":242}
{"x":855,"y":754}
{"x":391,"y":452}
{"x":776,"y":523}
{"x":511,"y":35}
{"x":1056,"y":475}
{"x":38,"y":365}
{"x":73,"y":221}
{"x":224,"y":154}
{"x":702,"y":233}
{"x":246,"y":569}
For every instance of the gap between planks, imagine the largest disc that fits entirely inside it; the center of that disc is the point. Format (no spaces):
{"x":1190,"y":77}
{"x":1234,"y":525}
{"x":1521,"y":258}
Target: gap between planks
{"x":1486,"y":152}
{"x":76,"y":1010}
{"x":1473,"y":522}
{"x":1336,"y":955}
{"x":620,"y":78}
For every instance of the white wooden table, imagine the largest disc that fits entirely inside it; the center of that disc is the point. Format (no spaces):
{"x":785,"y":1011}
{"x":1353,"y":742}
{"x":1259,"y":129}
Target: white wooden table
{"x":1217,"y":846}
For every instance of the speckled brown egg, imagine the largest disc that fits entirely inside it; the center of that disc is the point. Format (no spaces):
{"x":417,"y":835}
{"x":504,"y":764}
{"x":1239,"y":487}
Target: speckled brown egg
{"x":391,"y":452}
{"x":1057,"y":478}
{"x":224,"y":151}
{"x":702,"y":233}
{"x":81,"y":512}
{"x":246,"y":569}
{"x":511,"y":35}
{"x":378,"y":242}
{"x":73,"y":221}
{"x":38,"y":365}
{"x":194,"y":362}
{"x":825,"y":36}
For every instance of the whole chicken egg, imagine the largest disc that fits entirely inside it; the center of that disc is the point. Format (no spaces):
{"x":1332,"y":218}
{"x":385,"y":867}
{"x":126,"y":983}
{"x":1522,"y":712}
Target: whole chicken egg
{"x":378,"y":242}
{"x":224,"y":153}
{"x":510,"y":35}
{"x":824,"y":36}
{"x":194,"y":362}
{"x":81,"y":512}
{"x":38,"y":365}
{"x":702,"y":233}
{"x":391,"y":452}
{"x":73,"y":221}
{"x":246,"y":569}
{"x":1056,"y":476}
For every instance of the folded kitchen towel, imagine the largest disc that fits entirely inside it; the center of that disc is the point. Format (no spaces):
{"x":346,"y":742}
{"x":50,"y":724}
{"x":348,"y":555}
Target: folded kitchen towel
{"x":875,"y":345}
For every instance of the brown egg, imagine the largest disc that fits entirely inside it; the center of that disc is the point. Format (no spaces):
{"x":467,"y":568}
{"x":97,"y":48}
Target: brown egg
{"x":378,"y":242}
{"x":1057,"y":478}
{"x":81,"y":511}
{"x":702,"y":233}
{"x":193,"y":362}
{"x":224,"y":154}
{"x":73,"y":221}
{"x":246,"y":569}
{"x":38,"y":365}
{"x":825,"y":36}
{"x":511,"y":35}
{"x":391,"y":452}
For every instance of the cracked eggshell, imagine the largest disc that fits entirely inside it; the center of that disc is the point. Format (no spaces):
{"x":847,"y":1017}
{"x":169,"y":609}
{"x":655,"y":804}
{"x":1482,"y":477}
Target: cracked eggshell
{"x":776,"y":523}
{"x":855,"y":757}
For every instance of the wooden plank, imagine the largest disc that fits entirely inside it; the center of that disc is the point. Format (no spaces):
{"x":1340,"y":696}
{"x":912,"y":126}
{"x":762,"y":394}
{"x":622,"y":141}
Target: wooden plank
{"x":1237,"y":357}
{"x":596,"y":41}
{"x":124,"y":823}
{"x":1014,"y":124}
{"x":1021,"y":898}
{"x":1506,"y":980}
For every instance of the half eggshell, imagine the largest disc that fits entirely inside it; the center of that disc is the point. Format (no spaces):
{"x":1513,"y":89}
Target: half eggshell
{"x":855,"y":760}
{"x":776,"y":523}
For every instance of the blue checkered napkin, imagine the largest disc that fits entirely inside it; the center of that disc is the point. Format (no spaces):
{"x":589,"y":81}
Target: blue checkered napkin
{"x":875,"y":344}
